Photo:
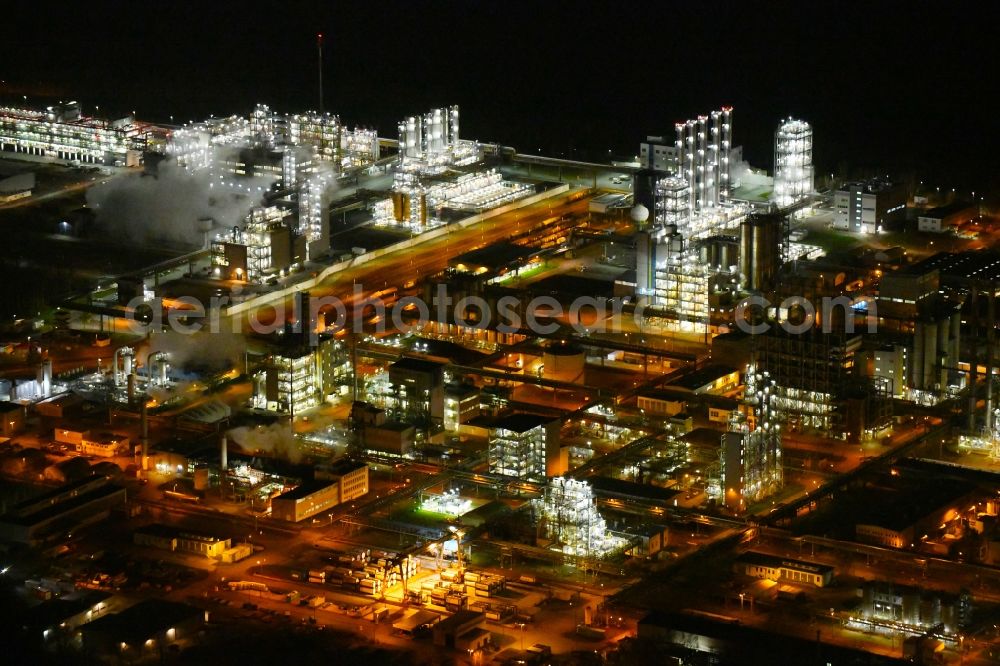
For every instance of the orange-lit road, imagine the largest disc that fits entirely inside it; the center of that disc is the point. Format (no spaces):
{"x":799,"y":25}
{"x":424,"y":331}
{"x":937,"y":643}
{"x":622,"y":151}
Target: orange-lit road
{"x":398,"y":268}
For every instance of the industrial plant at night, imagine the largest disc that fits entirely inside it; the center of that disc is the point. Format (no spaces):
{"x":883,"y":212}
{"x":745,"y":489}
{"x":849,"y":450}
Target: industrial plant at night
{"x":321,"y":371}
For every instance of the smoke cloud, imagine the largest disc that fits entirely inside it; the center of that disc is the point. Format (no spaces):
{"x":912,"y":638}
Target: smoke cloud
{"x":276,"y":440}
{"x":167,"y":207}
{"x":204,"y":350}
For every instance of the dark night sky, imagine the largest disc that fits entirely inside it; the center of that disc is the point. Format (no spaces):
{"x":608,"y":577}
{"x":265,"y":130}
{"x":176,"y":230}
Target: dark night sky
{"x":900,"y":86}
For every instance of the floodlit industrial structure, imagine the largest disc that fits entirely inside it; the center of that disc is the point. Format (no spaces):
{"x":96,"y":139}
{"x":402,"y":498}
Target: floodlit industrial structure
{"x":703,"y":146}
{"x":265,"y":245}
{"x":300,"y":154}
{"x":448,"y":502}
{"x":524,"y":446}
{"x":298,"y":376}
{"x":62,"y":132}
{"x":751,"y":449}
{"x":426,"y":182}
{"x":572,"y":522}
{"x":430,"y":143}
{"x":689,"y":279}
{"x":418,"y":204}
{"x":793,"y":163}
{"x":310,"y":138}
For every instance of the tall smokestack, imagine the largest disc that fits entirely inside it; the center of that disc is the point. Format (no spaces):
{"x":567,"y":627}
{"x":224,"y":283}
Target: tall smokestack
{"x":304,"y":324}
{"x":131,"y":388}
{"x":991,"y":322}
{"x":144,"y":439}
{"x":974,"y":357}
{"x":224,"y":454}
{"x":319,"y":51}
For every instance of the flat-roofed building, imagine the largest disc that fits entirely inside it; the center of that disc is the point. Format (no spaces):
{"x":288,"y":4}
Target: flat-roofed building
{"x":306,"y":500}
{"x":714,"y":379}
{"x":783,"y":569}
{"x":461,"y":405}
{"x":660,"y":403}
{"x":867,"y":206}
{"x":946,"y":218}
{"x":350,"y":474}
{"x":525,"y":446}
{"x":167,"y":537}
{"x":392,"y":438}
{"x":104,"y":444}
{"x":82,"y":502}
{"x":58,"y":619}
{"x":418,"y":392}
{"x":142,"y":630}
{"x":448,"y":631}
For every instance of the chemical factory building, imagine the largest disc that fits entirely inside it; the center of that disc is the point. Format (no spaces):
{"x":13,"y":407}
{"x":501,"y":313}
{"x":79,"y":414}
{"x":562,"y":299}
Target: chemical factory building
{"x":525,"y":446}
{"x":343,"y":482}
{"x":306,"y":500}
{"x":352,"y":476}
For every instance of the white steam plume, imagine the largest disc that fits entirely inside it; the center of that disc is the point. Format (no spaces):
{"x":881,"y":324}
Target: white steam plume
{"x":276,"y":440}
{"x":167,"y":207}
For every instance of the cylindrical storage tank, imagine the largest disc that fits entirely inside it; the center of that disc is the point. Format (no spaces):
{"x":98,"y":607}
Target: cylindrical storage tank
{"x":725,"y":257}
{"x":944,"y":352}
{"x":746,"y":253}
{"x":930,"y":355}
{"x":955,"y":337}
{"x":756,"y":245}
{"x":399,"y":207}
{"x":563,"y":363}
{"x":917,"y":357}
{"x":707,"y":253}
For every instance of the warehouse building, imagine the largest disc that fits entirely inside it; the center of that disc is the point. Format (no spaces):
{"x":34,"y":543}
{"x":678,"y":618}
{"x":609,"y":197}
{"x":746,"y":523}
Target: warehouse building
{"x":166,"y":537}
{"x":143,"y":630}
{"x":449,"y":631}
{"x":81,"y":502}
